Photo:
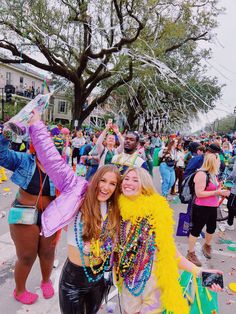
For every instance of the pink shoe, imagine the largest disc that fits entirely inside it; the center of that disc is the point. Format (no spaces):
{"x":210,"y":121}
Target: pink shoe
{"x":26,"y":297}
{"x":47,"y":289}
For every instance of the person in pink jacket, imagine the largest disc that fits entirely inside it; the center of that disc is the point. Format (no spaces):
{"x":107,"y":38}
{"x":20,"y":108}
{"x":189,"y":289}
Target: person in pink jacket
{"x":93,"y":220}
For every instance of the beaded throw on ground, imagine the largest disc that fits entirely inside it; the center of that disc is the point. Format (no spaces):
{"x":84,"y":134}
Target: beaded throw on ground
{"x":157,"y":211}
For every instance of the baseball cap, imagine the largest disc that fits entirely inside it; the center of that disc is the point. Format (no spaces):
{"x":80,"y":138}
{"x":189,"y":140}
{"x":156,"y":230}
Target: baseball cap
{"x":214,"y":148}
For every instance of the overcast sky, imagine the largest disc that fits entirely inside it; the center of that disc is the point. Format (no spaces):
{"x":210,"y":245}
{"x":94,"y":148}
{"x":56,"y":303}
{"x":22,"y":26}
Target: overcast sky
{"x":223,"y":63}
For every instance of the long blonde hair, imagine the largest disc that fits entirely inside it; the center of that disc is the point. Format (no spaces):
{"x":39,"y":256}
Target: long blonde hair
{"x":90,"y":209}
{"x":211,"y":163}
{"x":147,"y":186}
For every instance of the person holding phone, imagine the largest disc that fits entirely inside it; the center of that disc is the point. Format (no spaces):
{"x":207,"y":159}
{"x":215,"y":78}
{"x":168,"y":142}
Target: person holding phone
{"x":147,"y":261}
{"x":204,"y":209}
{"x":106,"y":143}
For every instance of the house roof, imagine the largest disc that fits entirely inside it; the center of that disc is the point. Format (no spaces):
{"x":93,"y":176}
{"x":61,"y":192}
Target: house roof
{"x":23,"y":68}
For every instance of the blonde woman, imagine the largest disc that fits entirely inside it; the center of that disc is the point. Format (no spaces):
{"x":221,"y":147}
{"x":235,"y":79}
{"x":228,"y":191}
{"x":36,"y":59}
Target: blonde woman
{"x":204,"y":211}
{"x":148,"y":261}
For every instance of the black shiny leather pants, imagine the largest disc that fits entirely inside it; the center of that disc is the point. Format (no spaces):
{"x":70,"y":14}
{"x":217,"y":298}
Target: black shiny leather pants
{"x":76,"y":294}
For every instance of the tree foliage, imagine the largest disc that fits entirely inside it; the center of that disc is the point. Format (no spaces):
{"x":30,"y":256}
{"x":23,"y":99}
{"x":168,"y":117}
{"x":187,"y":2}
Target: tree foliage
{"x":117,"y":48}
{"x":170,"y":84}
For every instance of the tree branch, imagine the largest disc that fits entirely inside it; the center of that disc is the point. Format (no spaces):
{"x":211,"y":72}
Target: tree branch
{"x":174,"y":47}
{"x":99,"y":100}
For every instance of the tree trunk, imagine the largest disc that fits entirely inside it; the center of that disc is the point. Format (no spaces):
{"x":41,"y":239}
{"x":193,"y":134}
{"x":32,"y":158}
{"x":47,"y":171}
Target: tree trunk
{"x":77,"y":106}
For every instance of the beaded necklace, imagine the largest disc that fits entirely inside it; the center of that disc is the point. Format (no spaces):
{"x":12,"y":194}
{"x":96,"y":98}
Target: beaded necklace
{"x":100,"y":249}
{"x":136,"y":254}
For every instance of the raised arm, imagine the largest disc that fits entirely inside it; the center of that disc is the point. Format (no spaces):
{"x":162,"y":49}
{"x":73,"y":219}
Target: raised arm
{"x":120,"y":148}
{"x":101,"y":138}
{"x":59,"y":172}
{"x":9,"y":159}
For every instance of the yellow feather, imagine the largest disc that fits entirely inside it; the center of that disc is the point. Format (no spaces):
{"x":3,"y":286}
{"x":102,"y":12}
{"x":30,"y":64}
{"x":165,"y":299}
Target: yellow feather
{"x":159,"y":214}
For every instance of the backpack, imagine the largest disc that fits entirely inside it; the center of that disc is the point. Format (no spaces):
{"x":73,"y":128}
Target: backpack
{"x":187,"y":190}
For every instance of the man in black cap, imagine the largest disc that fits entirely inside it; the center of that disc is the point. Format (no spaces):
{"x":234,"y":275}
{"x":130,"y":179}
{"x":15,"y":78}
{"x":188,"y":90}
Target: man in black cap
{"x":197,"y":161}
{"x":192,"y":152}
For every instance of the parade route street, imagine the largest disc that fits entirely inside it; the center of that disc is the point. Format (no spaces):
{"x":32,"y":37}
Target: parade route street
{"x":222,"y":259}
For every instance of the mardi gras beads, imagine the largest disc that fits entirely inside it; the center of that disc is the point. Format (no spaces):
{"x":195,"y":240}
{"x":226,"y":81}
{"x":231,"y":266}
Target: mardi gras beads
{"x":137,"y":256}
{"x":107,"y":243}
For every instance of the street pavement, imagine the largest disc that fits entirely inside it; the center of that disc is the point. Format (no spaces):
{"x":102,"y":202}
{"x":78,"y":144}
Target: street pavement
{"x":222,"y":259}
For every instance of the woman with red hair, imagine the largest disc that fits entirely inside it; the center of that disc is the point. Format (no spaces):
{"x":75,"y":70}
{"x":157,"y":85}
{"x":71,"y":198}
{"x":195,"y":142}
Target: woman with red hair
{"x":93,"y":220}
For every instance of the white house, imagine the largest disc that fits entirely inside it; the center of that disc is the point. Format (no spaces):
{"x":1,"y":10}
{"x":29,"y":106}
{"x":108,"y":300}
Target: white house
{"x":28,"y":83}
{"x":22,"y":78}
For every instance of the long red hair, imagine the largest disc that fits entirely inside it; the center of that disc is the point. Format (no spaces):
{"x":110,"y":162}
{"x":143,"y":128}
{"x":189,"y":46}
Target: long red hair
{"x":91,"y":213}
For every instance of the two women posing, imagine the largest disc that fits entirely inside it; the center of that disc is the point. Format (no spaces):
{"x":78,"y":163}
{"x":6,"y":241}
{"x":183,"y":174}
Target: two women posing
{"x":100,"y":238}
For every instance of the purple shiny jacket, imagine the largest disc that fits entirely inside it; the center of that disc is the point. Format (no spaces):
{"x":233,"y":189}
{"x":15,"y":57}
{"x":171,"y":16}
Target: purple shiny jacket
{"x":62,"y":210}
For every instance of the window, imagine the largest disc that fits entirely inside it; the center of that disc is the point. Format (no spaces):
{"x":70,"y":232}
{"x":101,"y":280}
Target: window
{"x":21,"y":82}
{"x":8,"y":78}
{"x":62,"y":106}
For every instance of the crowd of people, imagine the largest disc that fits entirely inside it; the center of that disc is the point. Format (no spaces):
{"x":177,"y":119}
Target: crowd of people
{"x":117,"y":224}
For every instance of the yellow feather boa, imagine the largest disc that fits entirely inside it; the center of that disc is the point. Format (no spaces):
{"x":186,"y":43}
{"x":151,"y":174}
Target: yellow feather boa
{"x":157,"y":210}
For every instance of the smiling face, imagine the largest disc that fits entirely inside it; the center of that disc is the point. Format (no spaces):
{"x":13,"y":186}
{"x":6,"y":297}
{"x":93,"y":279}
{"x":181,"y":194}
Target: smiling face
{"x":110,"y":140}
{"x":131,"y":184}
{"x":106,"y":186}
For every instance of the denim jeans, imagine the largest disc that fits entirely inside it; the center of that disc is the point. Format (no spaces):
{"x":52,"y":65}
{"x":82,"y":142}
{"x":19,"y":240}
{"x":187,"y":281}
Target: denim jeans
{"x":168,"y":178}
{"x":90,"y":172}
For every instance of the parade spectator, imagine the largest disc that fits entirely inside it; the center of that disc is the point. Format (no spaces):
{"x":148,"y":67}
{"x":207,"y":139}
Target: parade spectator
{"x":29,"y":175}
{"x":77,"y":142}
{"x":179,"y":167}
{"x":156,"y":142}
{"x":66,"y":151}
{"x":91,"y":157}
{"x":32,"y":92}
{"x":168,"y":156}
{"x":93,"y":220}
{"x":231,"y":204}
{"x":144,"y":151}
{"x":197,"y":161}
{"x":227,"y":152}
{"x":57,"y":139}
{"x":204,"y":209}
{"x":148,"y":156}
{"x":193,"y":150}
{"x":16,"y":142}
{"x":37,"y":91}
{"x":106,"y":143}
{"x":130,"y":157}
{"x":148,"y":254}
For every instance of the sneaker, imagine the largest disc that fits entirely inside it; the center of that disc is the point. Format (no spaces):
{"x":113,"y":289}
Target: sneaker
{"x":192,"y":257}
{"x":26,"y":297}
{"x":228,"y":227}
{"x":47,"y":289}
{"x":206,"y":250}
{"x":55,"y":263}
{"x":221,"y":227}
